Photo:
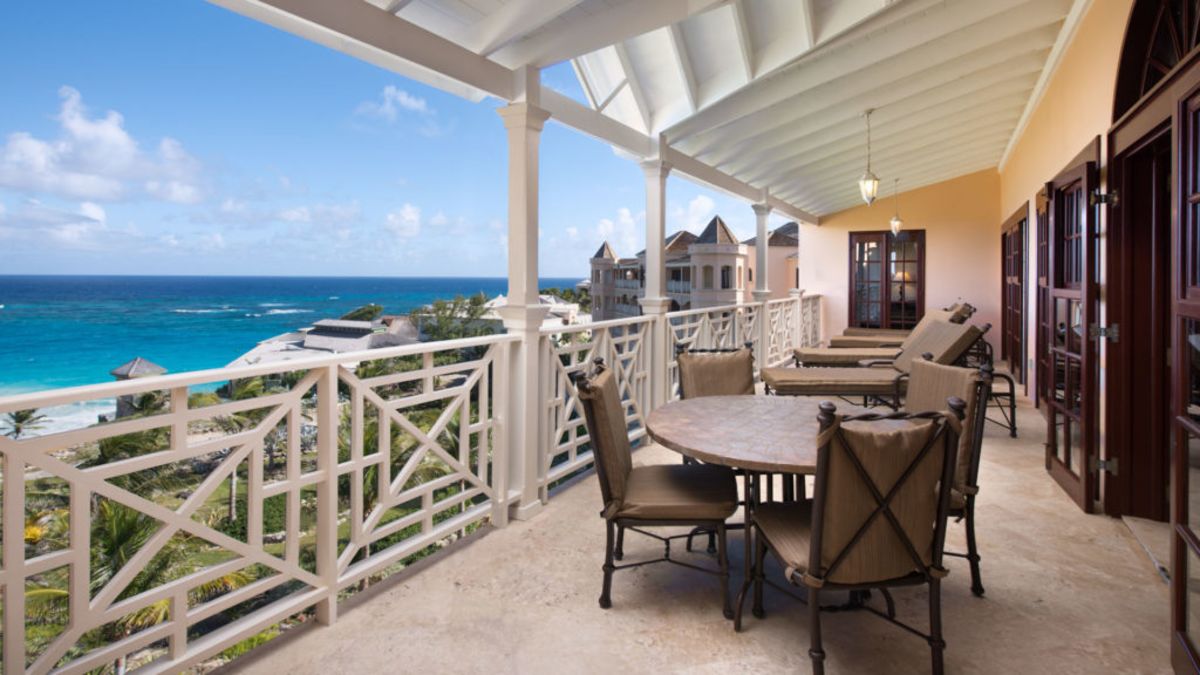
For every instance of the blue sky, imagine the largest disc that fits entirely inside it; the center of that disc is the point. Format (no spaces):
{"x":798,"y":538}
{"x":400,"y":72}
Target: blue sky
{"x":144,"y":137}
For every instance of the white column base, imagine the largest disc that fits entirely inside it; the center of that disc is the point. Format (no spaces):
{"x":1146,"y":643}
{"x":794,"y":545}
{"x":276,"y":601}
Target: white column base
{"x":761,"y":295}
{"x":524,"y":408}
{"x":525,"y":511}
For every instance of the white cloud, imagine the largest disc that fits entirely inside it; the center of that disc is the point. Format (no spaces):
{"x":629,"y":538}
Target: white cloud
{"x":404,"y":222}
{"x":392,"y":101}
{"x":622,"y":233}
{"x":299,"y":214}
{"x":439,"y":219}
{"x":97,"y":159}
{"x":699,"y":211}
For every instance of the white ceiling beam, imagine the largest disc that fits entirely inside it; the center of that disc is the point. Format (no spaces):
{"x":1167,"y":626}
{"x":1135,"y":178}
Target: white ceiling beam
{"x":704,"y":173}
{"x":591,"y":122}
{"x":586,"y":83}
{"x":377,"y":36}
{"x":904,"y":87}
{"x":586,"y":35}
{"x":959,"y":28}
{"x":612,"y":94}
{"x":635,"y":87}
{"x":831,"y":203}
{"x":808,"y":24}
{"x":850,"y":139}
{"x":846,"y":192}
{"x":513,"y":20}
{"x":1065,"y":35}
{"x":395,"y":6}
{"x":745,"y":44}
{"x":683,"y":64}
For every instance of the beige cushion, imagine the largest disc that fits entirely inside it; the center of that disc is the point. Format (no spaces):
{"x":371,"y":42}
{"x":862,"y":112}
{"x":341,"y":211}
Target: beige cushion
{"x":857,"y":331}
{"x":867,"y":341}
{"x":929,"y":385}
{"x":960,"y":312}
{"x":680,"y":492}
{"x":887,"y":336}
{"x":831,"y":381}
{"x":825,"y":357}
{"x":946,"y":341}
{"x":880,"y":554}
{"x":609,"y":438}
{"x":788,"y":526}
{"x":716,"y":374}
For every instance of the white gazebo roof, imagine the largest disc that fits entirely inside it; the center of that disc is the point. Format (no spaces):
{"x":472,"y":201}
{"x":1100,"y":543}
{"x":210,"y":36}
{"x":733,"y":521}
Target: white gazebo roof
{"x":752,"y":97}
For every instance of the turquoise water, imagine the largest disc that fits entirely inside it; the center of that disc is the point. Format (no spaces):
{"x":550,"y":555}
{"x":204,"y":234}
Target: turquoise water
{"x":58,"y":331}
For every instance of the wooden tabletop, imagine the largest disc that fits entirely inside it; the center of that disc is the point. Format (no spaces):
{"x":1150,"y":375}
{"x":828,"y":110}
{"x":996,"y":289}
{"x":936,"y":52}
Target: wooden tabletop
{"x":774,"y":434}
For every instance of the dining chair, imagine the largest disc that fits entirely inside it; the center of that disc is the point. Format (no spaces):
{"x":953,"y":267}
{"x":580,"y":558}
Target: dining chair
{"x":715,"y":372}
{"x":929,"y":386}
{"x":876,"y":521}
{"x":665,"y":495}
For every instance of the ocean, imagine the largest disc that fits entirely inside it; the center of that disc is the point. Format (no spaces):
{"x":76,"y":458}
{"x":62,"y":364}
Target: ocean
{"x":61,"y":331}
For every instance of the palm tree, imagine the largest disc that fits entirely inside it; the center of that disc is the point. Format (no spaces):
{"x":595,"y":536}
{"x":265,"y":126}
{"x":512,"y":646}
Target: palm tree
{"x":21,"y":421}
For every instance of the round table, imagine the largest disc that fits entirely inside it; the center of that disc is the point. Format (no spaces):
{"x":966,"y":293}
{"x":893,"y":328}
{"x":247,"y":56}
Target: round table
{"x":766,"y":434}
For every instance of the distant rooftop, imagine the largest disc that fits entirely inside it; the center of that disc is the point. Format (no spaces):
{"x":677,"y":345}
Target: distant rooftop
{"x":717,"y":232}
{"x":138,"y":367}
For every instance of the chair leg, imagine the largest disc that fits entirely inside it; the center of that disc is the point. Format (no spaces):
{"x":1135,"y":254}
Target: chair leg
{"x":760,"y":575}
{"x":973,"y":551}
{"x":723,"y":560}
{"x":606,"y":593}
{"x":619,"y":551}
{"x":937,"y":645}
{"x":815,"y":651}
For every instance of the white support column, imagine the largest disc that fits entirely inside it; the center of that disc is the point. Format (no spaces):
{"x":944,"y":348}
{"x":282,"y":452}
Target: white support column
{"x":523,"y":314}
{"x":655,"y":302}
{"x":797,"y":294}
{"x":762,"y":248}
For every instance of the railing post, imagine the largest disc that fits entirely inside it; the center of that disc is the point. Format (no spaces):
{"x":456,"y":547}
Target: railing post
{"x":656,"y":303}
{"x":327,"y":496}
{"x":797,"y":317}
{"x":525,"y":409}
{"x":14,"y":563}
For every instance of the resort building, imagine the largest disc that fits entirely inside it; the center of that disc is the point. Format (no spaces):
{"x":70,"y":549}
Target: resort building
{"x":1047,"y":155}
{"x":332,"y":336}
{"x":706,"y":270}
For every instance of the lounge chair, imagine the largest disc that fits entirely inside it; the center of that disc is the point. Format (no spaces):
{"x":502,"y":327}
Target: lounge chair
{"x":924,"y":337}
{"x":877,"y":519}
{"x":868,"y":338}
{"x":670,"y":495}
{"x":929,"y":386}
{"x":884,"y":380}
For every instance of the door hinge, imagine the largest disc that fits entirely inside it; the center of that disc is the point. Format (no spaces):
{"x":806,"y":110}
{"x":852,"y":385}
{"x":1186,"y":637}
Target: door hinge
{"x":1099,"y":197}
{"x":1109,"y":465}
{"x":1111,"y":333}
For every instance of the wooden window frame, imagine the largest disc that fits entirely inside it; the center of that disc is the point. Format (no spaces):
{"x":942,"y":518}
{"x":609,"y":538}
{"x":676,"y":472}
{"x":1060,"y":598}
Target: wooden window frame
{"x":885,"y":281}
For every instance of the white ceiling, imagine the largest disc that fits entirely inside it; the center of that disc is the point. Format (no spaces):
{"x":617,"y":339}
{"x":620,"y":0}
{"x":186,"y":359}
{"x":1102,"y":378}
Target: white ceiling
{"x":748,"y":95}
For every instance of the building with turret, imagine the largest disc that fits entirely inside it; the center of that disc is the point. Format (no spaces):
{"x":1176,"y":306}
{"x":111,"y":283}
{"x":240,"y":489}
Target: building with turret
{"x":707,"y":270}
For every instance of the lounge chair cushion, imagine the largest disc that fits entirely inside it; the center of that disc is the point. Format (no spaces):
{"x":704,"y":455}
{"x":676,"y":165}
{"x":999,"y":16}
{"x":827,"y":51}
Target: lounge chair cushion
{"x":929,"y":385}
{"x":831,"y":381}
{"x":680,"y":492}
{"x":716,"y":374}
{"x":825,"y":357}
{"x":946,"y":341}
{"x":610,"y":437}
{"x":867,"y":341}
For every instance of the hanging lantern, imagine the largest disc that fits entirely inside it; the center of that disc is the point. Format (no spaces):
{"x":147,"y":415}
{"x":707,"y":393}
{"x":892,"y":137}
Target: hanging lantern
{"x":895,"y":222}
{"x":868,"y":184}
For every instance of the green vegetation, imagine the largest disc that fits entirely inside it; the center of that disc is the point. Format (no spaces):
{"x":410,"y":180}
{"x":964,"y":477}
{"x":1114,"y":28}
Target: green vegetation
{"x":580,"y":297}
{"x":453,"y":319}
{"x":364,"y":313}
{"x":18,"y":422}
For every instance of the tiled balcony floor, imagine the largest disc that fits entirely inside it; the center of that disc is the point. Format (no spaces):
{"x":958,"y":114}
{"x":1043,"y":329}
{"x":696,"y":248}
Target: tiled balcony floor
{"x":1066,"y":593}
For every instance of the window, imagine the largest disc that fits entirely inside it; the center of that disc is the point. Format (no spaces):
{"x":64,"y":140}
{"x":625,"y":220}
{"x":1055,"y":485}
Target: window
{"x":726,"y":277}
{"x":708,"y":277}
{"x":749,"y":275}
{"x":887,"y":279}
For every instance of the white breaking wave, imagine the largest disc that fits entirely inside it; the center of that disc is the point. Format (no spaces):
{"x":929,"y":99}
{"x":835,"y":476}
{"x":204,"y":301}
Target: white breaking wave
{"x":288,"y":311}
{"x":274,"y":304}
{"x":210,"y":310}
{"x":73,"y":416}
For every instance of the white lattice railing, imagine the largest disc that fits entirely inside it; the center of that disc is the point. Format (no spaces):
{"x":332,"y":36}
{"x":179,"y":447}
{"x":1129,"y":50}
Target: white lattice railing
{"x":781,"y":330}
{"x":237,"y":497}
{"x":810,"y":320}
{"x":624,"y":346}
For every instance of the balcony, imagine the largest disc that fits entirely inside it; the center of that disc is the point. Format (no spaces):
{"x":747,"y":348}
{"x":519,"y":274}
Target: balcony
{"x":680,"y":287}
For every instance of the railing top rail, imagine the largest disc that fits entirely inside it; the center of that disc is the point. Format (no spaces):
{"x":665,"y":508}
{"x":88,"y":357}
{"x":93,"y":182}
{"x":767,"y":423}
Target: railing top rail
{"x":89,"y":392}
{"x":780,"y":301}
{"x":598,"y":325}
{"x":708,"y":310}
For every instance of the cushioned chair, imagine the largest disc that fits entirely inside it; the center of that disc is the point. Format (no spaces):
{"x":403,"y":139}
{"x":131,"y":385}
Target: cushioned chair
{"x":637,"y":497}
{"x":929,"y":386}
{"x":867,"y":338}
{"x":715,"y":372}
{"x":877,"y":519}
{"x":929,"y":336}
{"x":885,"y":381}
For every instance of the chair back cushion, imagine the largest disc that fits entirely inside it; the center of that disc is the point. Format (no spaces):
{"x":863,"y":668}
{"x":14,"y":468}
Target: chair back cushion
{"x":946,"y":341}
{"x":929,"y":385}
{"x":609,"y":436}
{"x":846,"y":501}
{"x":960,"y":312}
{"x":716,"y":373}
{"x":931,"y":317}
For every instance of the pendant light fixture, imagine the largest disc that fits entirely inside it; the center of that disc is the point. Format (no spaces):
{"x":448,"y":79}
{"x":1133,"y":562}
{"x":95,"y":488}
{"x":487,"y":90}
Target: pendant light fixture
{"x":896,"y":223}
{"x":868,"y":184}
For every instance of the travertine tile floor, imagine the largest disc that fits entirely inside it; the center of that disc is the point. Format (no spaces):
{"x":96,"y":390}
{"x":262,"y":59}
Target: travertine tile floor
{"x":1066,"y":593}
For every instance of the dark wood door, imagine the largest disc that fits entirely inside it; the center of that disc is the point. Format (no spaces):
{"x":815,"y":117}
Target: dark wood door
{"x":887,"y":279}
{"x":1012,"y":295}
{"x":1071,"y":404}
{"x":1042,"y":331}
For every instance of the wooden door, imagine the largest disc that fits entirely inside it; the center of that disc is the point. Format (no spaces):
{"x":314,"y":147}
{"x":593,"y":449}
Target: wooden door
{"x":887,"y":279}
{"x":1012,"y":295}
{"x":1071,"y":404}
{"x":1042,"y":332}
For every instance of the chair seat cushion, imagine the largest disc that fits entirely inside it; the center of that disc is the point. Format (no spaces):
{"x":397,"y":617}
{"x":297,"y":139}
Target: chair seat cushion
{"x":843,"y":358}
{"x":831,"y":381}
{"x":788,"y":528}
{"x":866,"y":342}
{"x":893,"y":333}
{"x":680,"y":492}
